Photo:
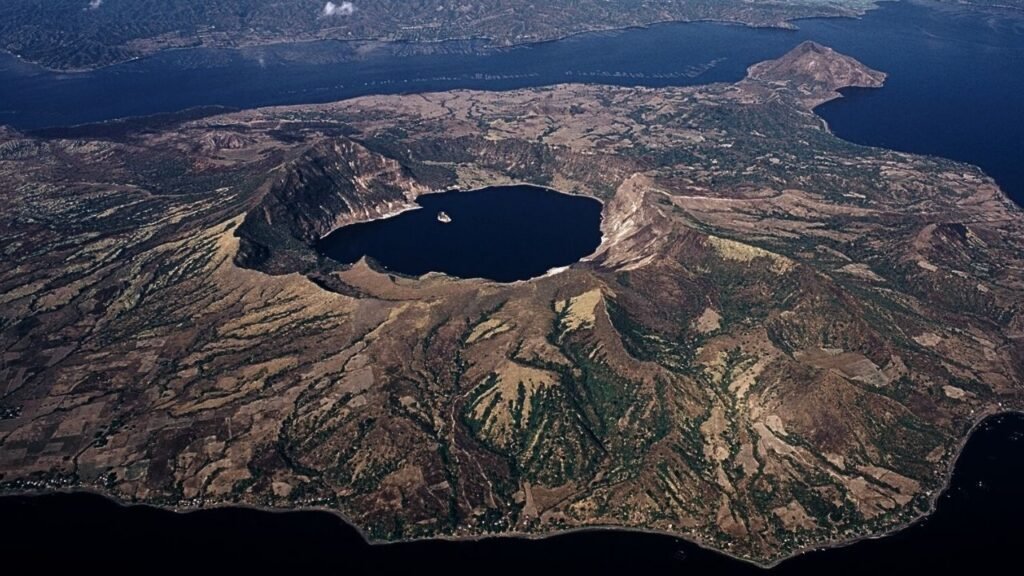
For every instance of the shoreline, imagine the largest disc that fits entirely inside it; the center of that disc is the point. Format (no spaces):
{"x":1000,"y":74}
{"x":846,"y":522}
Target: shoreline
{"x":231,"y":109}
{"x":489,"y":43}
{"x":983,"y":417}
{"x":787,"y":25}
{"x":840,"y":95}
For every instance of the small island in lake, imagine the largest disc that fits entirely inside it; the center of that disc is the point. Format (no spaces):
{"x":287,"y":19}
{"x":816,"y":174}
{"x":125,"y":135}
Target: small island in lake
{"x":443,"y":217}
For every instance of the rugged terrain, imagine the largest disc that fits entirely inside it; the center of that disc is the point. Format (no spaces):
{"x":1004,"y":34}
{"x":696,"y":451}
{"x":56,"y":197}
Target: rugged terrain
{"x":781,"y":342}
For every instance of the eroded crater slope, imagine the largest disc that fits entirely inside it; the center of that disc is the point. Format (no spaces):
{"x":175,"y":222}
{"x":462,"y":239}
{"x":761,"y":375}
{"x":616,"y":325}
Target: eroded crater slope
{"x":781,"y":342}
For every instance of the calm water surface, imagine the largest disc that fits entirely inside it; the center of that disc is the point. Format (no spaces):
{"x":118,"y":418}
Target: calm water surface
{"x":955,"y":87}
{"x":955,"y":84}
{"x":502,"y":233}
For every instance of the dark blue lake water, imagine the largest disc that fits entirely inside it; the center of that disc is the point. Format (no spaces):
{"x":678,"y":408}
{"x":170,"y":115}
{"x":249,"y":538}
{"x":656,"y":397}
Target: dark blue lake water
{"x":975,"y":530}
{"x":503,"y":233}
{"x":326,"y":71}
{"x":955,"y":84}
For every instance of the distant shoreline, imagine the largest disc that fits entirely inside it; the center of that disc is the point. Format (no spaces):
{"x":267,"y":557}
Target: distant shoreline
{"x":489,"y":43}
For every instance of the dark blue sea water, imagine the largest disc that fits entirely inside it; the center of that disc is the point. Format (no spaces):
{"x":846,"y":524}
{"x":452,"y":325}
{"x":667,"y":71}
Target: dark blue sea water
{"x":975,"y":530}
{"x":503,"y":233}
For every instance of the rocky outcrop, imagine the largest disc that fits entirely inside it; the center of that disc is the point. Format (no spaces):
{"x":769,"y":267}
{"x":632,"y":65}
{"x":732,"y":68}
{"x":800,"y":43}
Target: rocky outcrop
{"x":335,"y":182}
{"x":817,"y":72}
{"x":634,"y":229}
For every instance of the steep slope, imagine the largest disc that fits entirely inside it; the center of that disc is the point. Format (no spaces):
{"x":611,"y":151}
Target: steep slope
{"x":817,"y":72}
{"x":332,"y":183}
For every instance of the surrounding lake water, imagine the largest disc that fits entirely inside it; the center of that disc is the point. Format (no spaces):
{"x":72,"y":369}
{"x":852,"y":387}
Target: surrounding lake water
{"x":662,"y":55}
{"x":955,"y":85}
{"x":975,"y":529}
{"x":503,"y":233}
